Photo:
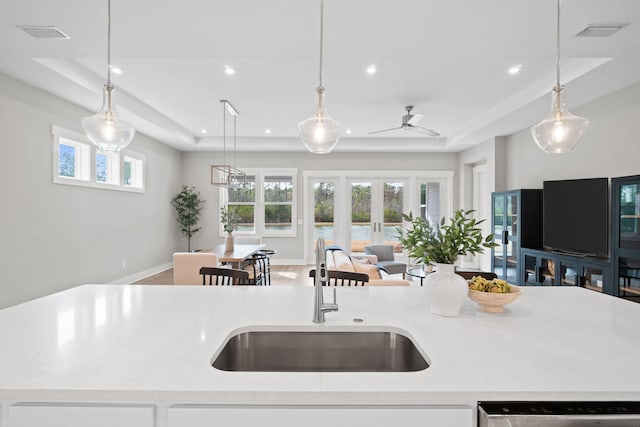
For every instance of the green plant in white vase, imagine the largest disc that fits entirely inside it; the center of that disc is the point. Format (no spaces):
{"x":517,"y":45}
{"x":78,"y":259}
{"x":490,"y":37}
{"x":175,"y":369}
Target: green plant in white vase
{"x":229,"y":220}
{"x":442,"y":245}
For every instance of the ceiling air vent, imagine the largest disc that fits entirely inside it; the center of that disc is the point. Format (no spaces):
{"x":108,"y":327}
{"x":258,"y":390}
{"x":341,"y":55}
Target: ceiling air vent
{"x":44,"y":31}
{"x":604,"y":30}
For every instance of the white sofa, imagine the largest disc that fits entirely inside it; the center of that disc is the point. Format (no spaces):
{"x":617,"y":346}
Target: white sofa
{"x":340,"y":260}
{"x":186,"y":266}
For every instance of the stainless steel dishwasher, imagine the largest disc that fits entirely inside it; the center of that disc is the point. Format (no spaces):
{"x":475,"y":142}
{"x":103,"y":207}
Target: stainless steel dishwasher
{"x":558,"y":414}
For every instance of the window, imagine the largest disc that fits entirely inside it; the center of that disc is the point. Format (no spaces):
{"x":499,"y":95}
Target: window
{"x":133,"y":172}
{"x":73,"y":160}
{"x":242,"y":202}
{"x":77,"y":162}
{"x":107,"y":168}
{"x":278,"y":203}
{"x":265,"y":202}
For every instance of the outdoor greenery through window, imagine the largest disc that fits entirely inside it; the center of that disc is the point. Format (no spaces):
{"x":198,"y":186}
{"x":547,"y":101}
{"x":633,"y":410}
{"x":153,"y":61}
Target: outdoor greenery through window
{"x":278,"y":203}
{"x":264,"y":201}
{"x":242,"y":202}
{"x":78,"y":162}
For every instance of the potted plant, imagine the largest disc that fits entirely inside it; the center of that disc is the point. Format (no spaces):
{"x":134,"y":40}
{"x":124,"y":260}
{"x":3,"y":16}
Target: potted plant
{"x":229,"y":220}
{"x":442,"y":245}
{"x":188,"y":205}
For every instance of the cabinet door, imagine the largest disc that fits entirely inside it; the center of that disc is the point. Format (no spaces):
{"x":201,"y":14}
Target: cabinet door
{"x":78,"y":415}
{"x":498,"y":229}
{"x":530,"y":269}
{"x":593,"y":277}
{"x":547,"y":271}
{"x":316,"y":416}
{"x":569,"y":273}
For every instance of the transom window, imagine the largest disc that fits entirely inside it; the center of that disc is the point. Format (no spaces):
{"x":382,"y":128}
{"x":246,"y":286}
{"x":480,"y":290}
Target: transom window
{"x":77,"y":162}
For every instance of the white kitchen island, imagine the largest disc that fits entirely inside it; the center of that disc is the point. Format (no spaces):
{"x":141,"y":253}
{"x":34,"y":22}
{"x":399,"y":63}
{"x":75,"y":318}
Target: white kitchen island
{"x":140,"y":355}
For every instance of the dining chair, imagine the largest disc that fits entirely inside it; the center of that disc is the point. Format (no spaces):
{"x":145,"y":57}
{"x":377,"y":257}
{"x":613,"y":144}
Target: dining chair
{"x":257,"y":267}
{"x":224,"y":276}
{"x":343,"y":278}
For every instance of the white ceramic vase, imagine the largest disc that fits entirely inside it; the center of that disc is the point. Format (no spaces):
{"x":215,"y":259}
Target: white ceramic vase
{"x":446,"y":291}
{"x":228,"y":243}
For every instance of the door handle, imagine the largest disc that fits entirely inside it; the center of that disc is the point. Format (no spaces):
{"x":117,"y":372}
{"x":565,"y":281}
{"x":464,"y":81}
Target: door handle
{"x":374,"y":227}
{"x":505,"y":237}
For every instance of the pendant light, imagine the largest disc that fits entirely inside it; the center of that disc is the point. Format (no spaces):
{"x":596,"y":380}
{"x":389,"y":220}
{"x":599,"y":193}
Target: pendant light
{"x":105,"y":129}
{"x":320,"y":133}
{"x":227,"y":175}
{"x":560,"y":131}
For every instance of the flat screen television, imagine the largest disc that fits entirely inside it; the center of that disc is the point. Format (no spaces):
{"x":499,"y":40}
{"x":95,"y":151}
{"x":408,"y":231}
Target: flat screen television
{"x":575,"y":216}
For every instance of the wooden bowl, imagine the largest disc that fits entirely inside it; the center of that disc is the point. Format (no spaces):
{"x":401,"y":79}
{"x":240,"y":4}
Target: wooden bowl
{"x":494,"y":303}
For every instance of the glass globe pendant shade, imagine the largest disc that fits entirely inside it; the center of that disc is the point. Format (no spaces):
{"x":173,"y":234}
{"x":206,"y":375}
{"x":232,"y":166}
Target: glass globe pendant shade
{"x":560,"y":131}
{"x":320,"y":133}
{"x":105,"y":129}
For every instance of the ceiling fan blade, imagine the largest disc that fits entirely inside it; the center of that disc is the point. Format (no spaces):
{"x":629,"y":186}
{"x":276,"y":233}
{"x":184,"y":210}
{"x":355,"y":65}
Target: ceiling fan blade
{"x":413,"y":121}
{"x":384,"y":130}
{"x":426,"y":131}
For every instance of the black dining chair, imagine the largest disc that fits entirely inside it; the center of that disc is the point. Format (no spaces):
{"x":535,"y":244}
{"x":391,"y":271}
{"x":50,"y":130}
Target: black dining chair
{"x":258,"y":270}
{"x":344,"y":278}
{"x":223,"y":276}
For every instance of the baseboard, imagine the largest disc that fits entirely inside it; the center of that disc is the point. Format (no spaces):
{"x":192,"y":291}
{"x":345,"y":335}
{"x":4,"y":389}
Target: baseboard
{"x":145,"y":273}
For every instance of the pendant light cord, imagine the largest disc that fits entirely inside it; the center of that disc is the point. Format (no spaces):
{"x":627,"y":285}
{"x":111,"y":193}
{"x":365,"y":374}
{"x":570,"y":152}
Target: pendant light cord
{"x":558,"y":48}
{"x":321,"y":37}
{"x":224,"y":133}
{"x":108,"y":43}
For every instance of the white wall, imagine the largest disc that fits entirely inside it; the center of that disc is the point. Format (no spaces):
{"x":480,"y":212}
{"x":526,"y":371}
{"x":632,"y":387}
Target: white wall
{"x":196,"y":172}
{"x":610,"y":148}
{"x":57,"y":236}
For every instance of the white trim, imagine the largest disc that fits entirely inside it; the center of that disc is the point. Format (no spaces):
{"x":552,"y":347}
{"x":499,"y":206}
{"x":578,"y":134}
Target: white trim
{"x":142,"y":274}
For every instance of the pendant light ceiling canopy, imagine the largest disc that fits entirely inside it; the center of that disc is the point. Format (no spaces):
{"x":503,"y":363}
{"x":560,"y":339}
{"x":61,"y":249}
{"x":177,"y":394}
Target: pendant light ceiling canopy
{"x":320,"y":133}
{"x":560,"y":131}
{"x":105,"y":129}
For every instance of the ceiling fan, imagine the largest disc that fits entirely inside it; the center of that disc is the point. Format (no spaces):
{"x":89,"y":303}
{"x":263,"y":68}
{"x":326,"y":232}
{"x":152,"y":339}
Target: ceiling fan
{"x":410,"y":122}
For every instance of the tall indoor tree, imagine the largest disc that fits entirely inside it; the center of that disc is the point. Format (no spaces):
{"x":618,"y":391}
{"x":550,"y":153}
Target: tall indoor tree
{"x":188,"y":205}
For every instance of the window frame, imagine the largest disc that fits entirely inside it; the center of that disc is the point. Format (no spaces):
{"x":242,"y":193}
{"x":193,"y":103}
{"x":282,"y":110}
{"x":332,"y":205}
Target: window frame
{"x":259,"y":203}
{"x":88,"y":165}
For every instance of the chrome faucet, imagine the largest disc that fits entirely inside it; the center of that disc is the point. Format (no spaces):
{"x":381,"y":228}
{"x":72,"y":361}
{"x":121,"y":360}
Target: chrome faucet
{"x":321,"y":279}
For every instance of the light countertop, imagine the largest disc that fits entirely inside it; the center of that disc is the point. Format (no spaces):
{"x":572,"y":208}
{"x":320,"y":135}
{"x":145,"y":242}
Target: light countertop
{"x":141,"y":343}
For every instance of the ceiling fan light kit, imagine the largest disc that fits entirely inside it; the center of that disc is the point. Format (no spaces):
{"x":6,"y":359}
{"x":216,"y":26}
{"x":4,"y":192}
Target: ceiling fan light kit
{"x":105,"y":129}
{"x":560,"y":131}
{"x":320,"y":133}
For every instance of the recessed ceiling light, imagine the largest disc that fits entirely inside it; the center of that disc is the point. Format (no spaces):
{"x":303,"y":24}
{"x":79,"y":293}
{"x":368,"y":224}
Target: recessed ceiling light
{"x":229,"y":71}
{"x":515,"y":69}
{"x":347,"y":131}
{"x":116,"y":70}
{"x":267,"y":130}
{"x":203,"y":131}
{"x":371,"y":69}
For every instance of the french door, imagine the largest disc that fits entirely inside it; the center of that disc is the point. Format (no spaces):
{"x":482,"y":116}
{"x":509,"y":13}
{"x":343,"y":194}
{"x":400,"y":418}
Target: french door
{"x":375,"y":211}
{"x":354,"y":209}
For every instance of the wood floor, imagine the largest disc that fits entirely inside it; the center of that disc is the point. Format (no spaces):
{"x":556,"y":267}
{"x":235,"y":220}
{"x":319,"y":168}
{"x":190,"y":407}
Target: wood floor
{"x":281,"y":275}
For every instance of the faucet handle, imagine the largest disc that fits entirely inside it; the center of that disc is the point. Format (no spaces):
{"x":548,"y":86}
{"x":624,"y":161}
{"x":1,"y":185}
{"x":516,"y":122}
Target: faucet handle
{"x":335,"y":298}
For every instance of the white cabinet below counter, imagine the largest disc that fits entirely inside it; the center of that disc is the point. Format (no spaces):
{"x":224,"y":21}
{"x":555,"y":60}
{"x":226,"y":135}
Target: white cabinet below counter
{"x":321,"y":416}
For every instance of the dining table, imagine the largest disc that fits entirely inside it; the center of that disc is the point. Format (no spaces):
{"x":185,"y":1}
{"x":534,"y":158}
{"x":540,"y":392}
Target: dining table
{"x":239,"y":254}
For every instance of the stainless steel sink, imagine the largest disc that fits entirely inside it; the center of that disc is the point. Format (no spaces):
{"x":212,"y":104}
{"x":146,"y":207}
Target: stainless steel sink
{"x":320,"y":351}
